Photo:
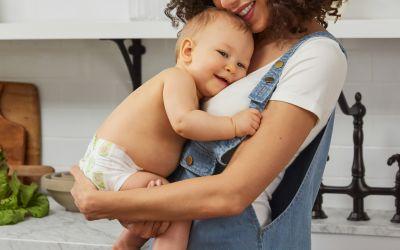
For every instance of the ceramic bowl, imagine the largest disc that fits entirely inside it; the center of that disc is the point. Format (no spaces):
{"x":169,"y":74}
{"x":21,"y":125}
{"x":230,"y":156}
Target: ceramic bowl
{"x":59,"y":185}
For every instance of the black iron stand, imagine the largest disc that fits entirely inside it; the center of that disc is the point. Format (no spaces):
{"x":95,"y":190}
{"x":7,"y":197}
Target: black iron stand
{"x":358,"y":189}
{"x":133,"y":63}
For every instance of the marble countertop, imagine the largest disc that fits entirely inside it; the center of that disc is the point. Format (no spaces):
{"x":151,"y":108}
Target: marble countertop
{"x":59,"y":230}
{"x":337,"y":223}
{"x":66,"y":230}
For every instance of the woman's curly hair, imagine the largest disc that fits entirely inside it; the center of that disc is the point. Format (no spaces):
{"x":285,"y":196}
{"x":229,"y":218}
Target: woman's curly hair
{"x":286,"y":16}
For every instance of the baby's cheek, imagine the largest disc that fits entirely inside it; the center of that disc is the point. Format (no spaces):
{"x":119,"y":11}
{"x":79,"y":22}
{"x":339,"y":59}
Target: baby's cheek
{"x":240,"y":76}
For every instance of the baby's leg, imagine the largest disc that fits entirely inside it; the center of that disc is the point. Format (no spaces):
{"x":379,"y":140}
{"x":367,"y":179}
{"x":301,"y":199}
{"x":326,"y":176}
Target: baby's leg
{"x":128,"y":239}
{"x":176,"y":237}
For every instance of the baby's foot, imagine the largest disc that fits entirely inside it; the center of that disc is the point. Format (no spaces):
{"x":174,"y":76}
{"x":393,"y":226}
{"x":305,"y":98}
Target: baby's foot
{"x":128,"y":241}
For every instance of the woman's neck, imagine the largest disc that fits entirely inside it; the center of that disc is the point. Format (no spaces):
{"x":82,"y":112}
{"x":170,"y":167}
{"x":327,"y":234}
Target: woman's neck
{"x":266,"y":51}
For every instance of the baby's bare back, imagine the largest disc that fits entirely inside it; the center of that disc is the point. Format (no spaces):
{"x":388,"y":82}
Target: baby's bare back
{"x":140,"y":126}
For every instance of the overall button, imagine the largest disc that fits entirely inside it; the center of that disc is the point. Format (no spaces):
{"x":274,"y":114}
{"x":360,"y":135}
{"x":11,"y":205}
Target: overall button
{"x":268,"y":79}
{"x":189,"y":160}
{"x":279,"y":64}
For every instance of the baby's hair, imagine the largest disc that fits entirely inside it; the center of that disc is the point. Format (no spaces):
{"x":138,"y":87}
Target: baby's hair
{"x":198,"y":22}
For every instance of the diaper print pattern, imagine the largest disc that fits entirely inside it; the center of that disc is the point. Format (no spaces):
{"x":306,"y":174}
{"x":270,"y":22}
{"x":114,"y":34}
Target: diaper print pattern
{"x":105,"y":148}
{"x":98,"y":180}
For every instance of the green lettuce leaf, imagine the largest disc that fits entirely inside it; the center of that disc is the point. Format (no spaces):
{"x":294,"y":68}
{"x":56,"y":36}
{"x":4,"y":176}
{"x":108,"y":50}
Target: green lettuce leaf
{"x":15,"y":184}
{"x":3,"y":163}
{"x":27,"y":193}
{"x":4,"y":187}
{"x":9,"y":203}
{"x":18,"y":200}
{"x":11,"y":216}
{"x":39,"y":206}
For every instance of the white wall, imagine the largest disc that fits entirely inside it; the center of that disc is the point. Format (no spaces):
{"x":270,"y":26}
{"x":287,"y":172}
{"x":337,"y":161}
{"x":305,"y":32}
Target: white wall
{"x":80,"y":82}
{"x":374,"y":72}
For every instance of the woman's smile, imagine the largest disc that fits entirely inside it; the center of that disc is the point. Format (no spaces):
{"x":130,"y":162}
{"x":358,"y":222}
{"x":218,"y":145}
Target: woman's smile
{"x":254,"y":12}
{"x":246,"y":11}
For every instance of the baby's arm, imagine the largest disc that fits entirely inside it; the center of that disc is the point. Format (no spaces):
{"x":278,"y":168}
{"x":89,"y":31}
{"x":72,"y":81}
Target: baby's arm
{"x":182,"y":107}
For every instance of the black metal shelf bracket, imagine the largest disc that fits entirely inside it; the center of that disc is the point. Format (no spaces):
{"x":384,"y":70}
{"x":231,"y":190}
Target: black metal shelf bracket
{"x":133,"y":59}
{"x":358,"y":188}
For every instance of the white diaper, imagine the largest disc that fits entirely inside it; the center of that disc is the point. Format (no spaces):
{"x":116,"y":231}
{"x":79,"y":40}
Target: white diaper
{"x":107,"y":165}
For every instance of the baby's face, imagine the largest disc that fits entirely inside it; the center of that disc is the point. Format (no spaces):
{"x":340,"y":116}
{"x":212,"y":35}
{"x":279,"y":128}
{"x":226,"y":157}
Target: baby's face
{"x":220,"y":57}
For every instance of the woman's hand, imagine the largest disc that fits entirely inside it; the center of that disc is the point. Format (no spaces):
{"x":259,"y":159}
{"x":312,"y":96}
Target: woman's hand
{"x":83,"y":192}
{"x":147,"y":229}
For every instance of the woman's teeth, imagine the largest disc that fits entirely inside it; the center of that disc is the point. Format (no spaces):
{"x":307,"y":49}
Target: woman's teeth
{"x":246,"y":10}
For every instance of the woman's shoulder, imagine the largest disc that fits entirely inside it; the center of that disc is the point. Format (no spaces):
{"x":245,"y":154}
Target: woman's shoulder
{"x":317,"y":53}
{"x":314,"y":76}
{"x":321,"y":56}
{"x":322,"y":48}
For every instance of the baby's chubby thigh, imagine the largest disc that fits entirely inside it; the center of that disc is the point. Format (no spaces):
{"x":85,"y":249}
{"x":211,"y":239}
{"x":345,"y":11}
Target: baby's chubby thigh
{"x":141,"y":179}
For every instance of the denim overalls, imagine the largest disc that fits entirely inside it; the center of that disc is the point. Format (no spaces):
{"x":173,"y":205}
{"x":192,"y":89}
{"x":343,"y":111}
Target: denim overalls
{"x":293,"y":199}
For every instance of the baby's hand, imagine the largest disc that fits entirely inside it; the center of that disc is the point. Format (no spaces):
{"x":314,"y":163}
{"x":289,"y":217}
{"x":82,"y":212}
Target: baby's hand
{"x":246,"y":122}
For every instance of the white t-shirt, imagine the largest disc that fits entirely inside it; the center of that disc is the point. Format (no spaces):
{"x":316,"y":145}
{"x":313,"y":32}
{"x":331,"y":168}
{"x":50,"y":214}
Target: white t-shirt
{"x":312,"y":79}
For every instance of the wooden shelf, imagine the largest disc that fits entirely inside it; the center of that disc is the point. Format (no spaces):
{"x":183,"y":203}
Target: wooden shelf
{"x":86,"y":30}
{"x":379,"y":28}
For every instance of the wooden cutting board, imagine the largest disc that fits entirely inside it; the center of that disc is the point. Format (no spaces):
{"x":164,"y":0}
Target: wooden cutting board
{"x":12,"y":139}
{"x":19,"y":103}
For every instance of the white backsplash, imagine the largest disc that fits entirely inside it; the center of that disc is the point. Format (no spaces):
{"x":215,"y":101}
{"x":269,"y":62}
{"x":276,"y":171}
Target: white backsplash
{"x":81,"y":81}
{"x":371,"y":9}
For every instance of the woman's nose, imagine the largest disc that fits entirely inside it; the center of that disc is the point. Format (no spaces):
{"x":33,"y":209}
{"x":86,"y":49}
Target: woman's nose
{"x":230,"y":4}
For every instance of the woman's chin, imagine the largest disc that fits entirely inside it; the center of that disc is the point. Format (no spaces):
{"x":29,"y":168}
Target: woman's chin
{"x":257,"y":28}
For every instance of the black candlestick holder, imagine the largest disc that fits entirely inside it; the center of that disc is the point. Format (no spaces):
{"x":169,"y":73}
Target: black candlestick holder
{"x":358,"y":189}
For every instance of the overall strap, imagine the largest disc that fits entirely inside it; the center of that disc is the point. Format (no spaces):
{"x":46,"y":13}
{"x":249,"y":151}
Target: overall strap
{"x":264,"y":89}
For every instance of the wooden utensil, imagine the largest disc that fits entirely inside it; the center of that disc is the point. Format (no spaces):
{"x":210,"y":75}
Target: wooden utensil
{"x":20,"y":103}
{"x":12,"y":139}
{"x":30,"y":173}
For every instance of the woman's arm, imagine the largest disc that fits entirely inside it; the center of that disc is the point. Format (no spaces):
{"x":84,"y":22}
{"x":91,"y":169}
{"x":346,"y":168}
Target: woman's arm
{"x":254,"y":165}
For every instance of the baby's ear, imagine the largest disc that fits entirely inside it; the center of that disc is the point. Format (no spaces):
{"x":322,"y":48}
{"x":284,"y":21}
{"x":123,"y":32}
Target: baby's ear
{"x":186,"y":50}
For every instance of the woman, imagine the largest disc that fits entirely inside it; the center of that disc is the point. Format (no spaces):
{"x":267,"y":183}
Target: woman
{"x":296,"y":96}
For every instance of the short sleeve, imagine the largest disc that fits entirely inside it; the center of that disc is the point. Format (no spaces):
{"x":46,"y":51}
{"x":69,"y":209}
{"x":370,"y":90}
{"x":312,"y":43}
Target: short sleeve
{"x":313,"y":77}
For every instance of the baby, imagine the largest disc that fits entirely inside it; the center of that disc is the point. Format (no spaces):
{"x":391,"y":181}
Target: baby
{"x":143,"y":137}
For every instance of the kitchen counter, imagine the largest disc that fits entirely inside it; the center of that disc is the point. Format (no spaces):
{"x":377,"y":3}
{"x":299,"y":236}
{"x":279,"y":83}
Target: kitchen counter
{"x":337,"y":223}
{"x":59,"y":230}
{"x":336,"y":232}
{"x":66,"y":230}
